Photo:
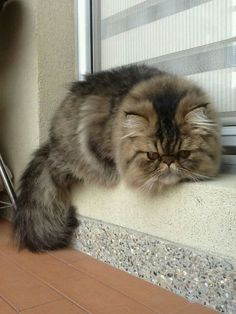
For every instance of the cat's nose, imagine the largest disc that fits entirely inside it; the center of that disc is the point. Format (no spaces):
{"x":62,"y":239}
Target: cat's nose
{"x":168,"y":159}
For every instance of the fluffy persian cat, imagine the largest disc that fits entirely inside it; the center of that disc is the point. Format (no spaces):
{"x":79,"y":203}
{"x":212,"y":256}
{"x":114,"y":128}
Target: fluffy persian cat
{"x":135,"y":123}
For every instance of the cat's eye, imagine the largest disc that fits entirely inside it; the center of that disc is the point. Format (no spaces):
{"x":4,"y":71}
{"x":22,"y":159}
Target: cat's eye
{"x":184,"y":153}
{"x":152,"y":155}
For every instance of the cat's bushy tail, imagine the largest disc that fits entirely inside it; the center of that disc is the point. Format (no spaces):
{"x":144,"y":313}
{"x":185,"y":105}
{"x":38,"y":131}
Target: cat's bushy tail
{"x":44,"y":219}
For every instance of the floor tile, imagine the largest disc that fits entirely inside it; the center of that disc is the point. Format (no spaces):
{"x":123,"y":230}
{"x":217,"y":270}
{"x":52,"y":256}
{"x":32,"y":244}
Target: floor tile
{"x":6,"y":232}
{"x":97,"y":297}
{"x":21,"y":289}
{"x":71,"y":282}
{"x":68,"y":281}
{"x":46,"y":267}
{"x":152,"y":296}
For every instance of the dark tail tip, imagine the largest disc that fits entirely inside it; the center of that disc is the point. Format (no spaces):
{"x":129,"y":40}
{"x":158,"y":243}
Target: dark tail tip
{"x":26,"y":236}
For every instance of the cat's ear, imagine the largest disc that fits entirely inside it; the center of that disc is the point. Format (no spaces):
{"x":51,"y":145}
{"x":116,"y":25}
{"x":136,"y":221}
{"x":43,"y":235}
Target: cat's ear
{"x":198,"y":116}
{"x":134,"y":124}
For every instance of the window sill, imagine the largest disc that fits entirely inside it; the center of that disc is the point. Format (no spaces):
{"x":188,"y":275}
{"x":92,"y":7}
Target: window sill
{"x":201,"y":215}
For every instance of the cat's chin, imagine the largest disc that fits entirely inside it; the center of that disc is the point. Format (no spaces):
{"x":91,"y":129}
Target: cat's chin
{"x":168,"y":180}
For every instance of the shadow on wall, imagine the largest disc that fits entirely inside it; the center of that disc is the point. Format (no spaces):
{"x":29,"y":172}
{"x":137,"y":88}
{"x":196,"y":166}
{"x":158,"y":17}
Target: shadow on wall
{"x":11,"y":21}
{"x":2,"y":2}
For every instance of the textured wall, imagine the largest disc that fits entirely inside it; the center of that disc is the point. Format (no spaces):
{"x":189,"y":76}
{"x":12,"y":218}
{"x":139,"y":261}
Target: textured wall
{"x":56,"y":56}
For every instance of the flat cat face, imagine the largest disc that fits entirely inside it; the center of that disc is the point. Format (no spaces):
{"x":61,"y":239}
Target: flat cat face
{"x":167,"y":132}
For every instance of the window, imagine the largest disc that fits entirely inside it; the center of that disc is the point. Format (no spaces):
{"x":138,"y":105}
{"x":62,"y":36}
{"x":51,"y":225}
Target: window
{"x":195,"y":38}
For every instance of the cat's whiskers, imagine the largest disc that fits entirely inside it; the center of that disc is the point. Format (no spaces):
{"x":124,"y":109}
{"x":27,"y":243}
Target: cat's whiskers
{"x":196,"y":177}
{"x":201,"y":176}
{"x":189,"y":175}
{"x":149,"y":183}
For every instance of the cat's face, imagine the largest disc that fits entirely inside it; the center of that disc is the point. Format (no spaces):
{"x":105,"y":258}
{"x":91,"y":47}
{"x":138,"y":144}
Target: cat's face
{"x":167,"y":133}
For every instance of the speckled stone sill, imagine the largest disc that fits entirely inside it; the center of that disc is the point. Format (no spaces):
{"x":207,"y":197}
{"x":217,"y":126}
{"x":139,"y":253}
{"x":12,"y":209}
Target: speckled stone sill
{"x":199,"y":277}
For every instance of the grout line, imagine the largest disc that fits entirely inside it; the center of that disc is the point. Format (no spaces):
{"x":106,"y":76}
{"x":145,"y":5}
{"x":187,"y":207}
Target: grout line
{"x":12,"y":260}
{"x":9,"y":303}
{"x":66,"y":262}
{"x":35,"y":306}
{"x":61,"y":299}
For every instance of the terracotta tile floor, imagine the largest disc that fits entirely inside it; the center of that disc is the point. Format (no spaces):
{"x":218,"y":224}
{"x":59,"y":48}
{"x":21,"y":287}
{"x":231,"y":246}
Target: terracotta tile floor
{"x":68,"y":282}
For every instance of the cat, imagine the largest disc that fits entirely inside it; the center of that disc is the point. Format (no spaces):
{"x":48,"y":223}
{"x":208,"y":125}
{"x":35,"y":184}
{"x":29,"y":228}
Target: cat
{"x":136,"y":123}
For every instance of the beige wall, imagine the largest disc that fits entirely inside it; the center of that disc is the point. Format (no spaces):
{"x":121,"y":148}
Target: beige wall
{"x":37,"y":53}
{"x":56,"y":56}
